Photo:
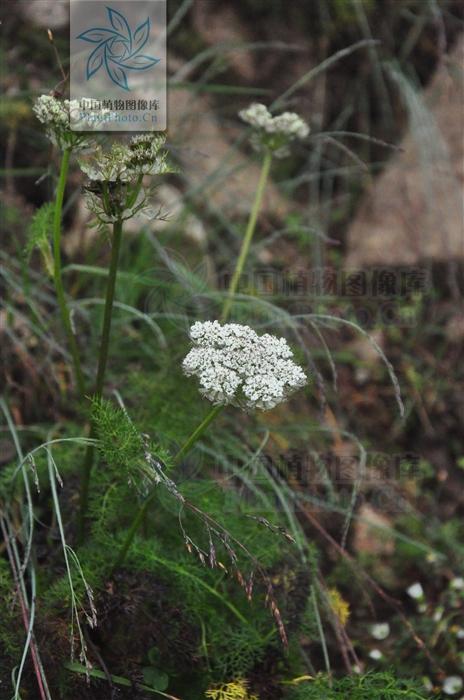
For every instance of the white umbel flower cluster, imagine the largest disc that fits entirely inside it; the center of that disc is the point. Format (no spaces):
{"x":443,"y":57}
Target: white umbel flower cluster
{"x":271,"y":132}
{"x":144,"y":155}
{"x":237,"y":366}
{"x":116,"y":191}
{"x":107,"y":166}
{"x":55,"y":115}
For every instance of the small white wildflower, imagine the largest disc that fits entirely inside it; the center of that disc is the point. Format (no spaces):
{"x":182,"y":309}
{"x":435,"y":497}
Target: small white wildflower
{"x":452,"y":685}
{"x":380,"y":631}
{"x":415,"y":591}
{"x":460,"y":633}
{"x":438,"y":614}
{"x":55,"y":115}
{"x":375,"y":654}
{"x":274,"y":133}
{"x":237,"y":366}
{"x":457,"y":584}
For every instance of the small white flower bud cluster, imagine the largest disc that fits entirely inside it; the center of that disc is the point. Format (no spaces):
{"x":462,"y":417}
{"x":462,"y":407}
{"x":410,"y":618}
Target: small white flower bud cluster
{"x":237,"y":366}
{"x":143,"y":155}
{"x":55,"y":115}
{"x":146,"y":155}
{"x":256,"y":115}
{"x":274,"y":133}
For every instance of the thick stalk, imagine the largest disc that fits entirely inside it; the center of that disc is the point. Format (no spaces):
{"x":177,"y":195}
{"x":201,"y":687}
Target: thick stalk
{"x":248,"y":237}
{"x":186,"y":447}
{"x":102,"y":362}
{"x":57,"y":273}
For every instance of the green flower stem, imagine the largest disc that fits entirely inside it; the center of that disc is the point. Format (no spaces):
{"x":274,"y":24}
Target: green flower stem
{"x":110,"y":287}
{"x":102,"y":362}
{"x":265,"y":168}
{"x":197,"y":433}
{"x":57,"y":272}
{"x":187,"y":446}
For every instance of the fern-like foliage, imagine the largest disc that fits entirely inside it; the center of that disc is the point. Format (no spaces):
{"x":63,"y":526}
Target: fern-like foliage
{"x":200,"y":567}
{"x":369,"y":686}
{"x":39,"y":235}
{"x":121,"y":444}
{"x":119,"y":440}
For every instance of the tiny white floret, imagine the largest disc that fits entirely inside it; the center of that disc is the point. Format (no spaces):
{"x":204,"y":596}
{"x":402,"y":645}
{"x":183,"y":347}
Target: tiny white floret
{"x":375,"y":654}
{"x":457,"y":584}
{"x":452,"y":685}
{"x":380,"y":631}
{"x":415,"y":591}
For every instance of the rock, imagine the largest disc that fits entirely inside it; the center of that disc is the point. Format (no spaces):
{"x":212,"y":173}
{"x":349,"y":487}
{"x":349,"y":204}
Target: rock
{"x":454,"y":329}
{"x":170,"y":199}
{"x":49,"y":14}
{"x":368,"y":537}
{"x":221,"y":24}
{"x":414,"y":210}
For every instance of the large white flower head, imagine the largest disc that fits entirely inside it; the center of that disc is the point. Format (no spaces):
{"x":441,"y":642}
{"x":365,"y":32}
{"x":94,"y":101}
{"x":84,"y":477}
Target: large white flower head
{"x":55,"y":115}
{"x":237,"y":366}
{"x":274,"y":133}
